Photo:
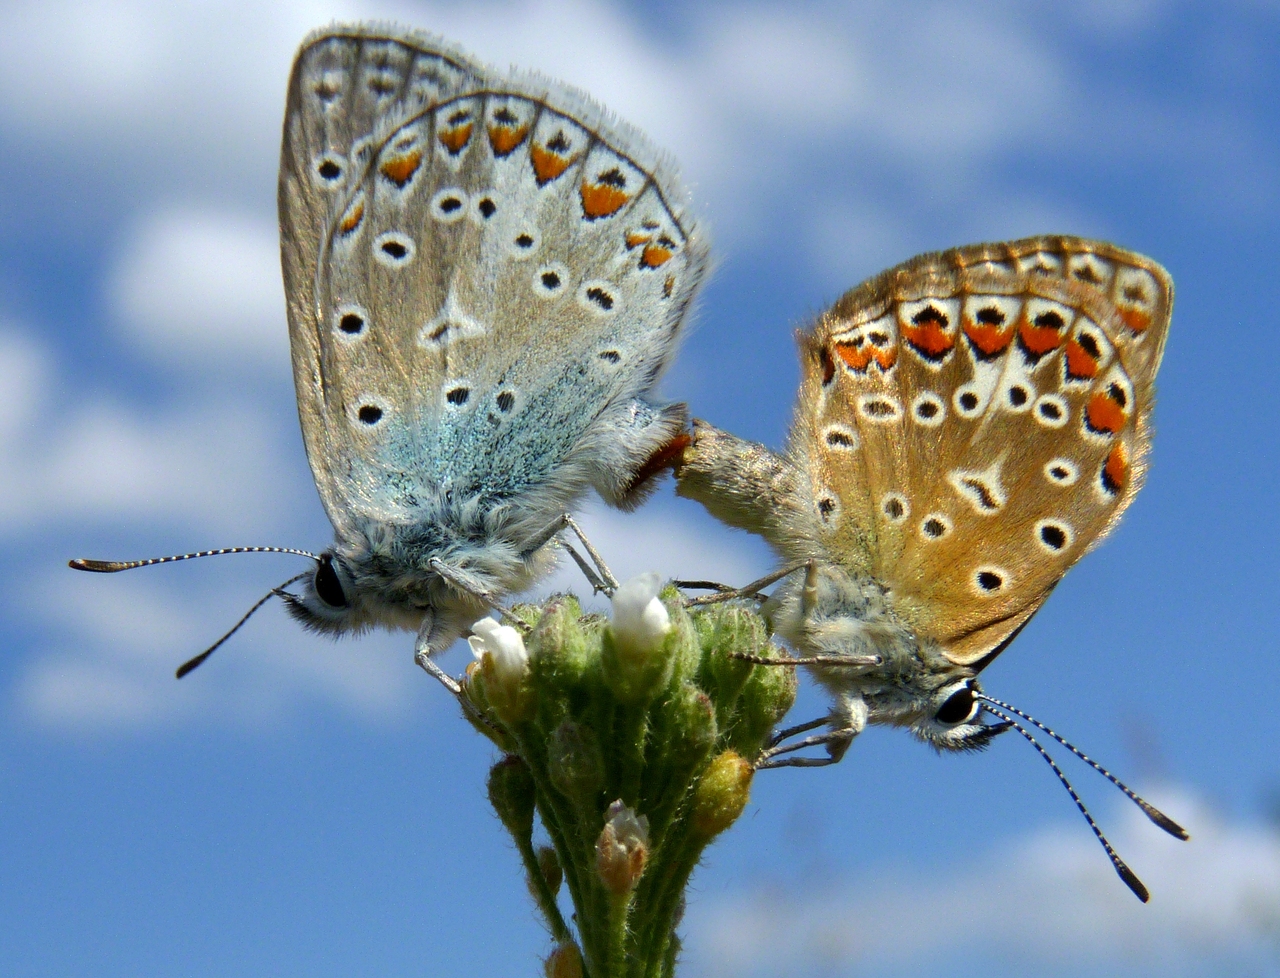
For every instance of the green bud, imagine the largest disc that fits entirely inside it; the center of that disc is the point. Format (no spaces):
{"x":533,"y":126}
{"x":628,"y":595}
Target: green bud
{"x":767,"y":695}
{"x":575,"y":763}
{"x":721,"y":795}
{"x":549,"y":866}
{"x":558,"y":645}
{"x":511,"y":793}
{"x":691,"y":731}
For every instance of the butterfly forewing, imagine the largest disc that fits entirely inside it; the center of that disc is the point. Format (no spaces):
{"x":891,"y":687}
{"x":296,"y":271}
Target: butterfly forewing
{"x":345,"y":84}
{"x":494,"y":273}
{"x":976,"y":420}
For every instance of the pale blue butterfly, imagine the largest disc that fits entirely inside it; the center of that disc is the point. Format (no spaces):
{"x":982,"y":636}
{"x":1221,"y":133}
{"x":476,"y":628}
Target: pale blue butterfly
{"x":486,"y":275}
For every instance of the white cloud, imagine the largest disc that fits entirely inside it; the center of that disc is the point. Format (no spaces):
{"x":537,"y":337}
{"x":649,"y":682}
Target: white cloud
{"x":767,"y":108}
{"x":208,"y":460}
{"x":1049,"y":902}
{"x":192,"y":285}
{"x":745,"y":98}
{"x":118,"y":639}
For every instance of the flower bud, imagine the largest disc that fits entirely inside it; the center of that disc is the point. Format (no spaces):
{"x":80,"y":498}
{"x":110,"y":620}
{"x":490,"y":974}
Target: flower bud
{"x":504,"y":664}
{"x":635,"y":650}
{"x":722,"y":794}
{"x":505,"y":647}
{"x":564,"y":962}
{"x":549,"y":867}
{"x":622,"y":849}
{"x":575,"y":763}
{"x":640,"y":620}
{"x":511,"y":792}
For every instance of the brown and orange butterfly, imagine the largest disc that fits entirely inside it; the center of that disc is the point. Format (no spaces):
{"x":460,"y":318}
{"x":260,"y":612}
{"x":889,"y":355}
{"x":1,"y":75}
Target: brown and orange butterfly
{"x":969,"y":424}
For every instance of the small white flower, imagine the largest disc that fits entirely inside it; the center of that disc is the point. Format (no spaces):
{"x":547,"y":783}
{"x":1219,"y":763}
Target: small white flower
{"x":622,"y":849}
{"x":504,"y":646}
{"x":630,"y":829}
{"x":640,"y":620}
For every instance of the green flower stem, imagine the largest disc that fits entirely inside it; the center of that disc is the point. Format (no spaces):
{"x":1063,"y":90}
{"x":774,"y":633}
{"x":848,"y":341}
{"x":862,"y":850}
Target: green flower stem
{"x":542,"y":893}
{"x":634,"y":751}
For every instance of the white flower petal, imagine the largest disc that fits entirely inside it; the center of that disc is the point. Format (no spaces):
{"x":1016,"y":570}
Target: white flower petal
{"x":640,"y":619}
{"x":504,"y":645}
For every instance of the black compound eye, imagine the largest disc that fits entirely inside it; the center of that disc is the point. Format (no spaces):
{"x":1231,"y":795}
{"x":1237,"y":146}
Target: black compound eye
{"x":957,"y":708}
{"x":327,"y":586}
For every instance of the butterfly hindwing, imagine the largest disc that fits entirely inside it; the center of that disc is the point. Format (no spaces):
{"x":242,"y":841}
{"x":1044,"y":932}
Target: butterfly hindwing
{"x":497,"y":284}
{"x":974,"y":421}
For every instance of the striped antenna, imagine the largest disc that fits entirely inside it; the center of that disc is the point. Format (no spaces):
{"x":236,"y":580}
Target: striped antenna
{"x":1153,"y":813}
{"x":191,"y":664}
{"x":111,"y":566}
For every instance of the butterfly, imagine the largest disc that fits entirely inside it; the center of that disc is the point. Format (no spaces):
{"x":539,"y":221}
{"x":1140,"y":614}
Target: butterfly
{"x":485,"y":275}
{"x":969,"y":424}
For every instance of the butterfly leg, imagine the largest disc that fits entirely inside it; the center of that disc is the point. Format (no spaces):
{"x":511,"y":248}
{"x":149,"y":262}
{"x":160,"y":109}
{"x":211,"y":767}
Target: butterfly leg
{"x":836,"y":741}
{"x":604,"y":581}
{"x":422,"y":656}
{"x":423,"y":647}
{"x":846,"y":721}
{"x":724,"y":593}
{"x":465,"y":583}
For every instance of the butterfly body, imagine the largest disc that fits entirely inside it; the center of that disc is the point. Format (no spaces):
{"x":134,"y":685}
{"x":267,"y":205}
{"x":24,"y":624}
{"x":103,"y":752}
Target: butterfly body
{"x":486,"y":276}
{"x":969,"y":424}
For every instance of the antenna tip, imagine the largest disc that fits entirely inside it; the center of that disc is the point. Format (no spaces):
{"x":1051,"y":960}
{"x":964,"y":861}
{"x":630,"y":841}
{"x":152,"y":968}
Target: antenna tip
{"x":1131,"y":881}
{"x":97,"y":566}
{"x":191,"y":664}
{"x":1165,"y":822}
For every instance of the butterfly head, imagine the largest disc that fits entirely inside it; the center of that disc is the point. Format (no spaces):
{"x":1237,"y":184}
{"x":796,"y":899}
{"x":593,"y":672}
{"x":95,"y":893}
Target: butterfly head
{"x":326,"y":603}
{"x":881,"y":671}
{"x":953,"y":719}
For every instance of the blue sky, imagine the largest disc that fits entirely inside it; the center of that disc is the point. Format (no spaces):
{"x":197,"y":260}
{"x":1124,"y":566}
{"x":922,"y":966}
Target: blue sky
{"x":299,"y":806}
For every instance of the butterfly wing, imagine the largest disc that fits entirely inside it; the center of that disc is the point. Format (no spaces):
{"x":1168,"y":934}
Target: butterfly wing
{"x":345,"y":83}
{"x":974,"y":421}
{"x":483,"y":295}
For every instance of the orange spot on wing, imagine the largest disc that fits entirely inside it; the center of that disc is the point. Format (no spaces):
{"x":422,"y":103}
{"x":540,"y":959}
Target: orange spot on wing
{"x":400,"y":169}
{"x":352,"y":220}
{"x":859,"y":358}
{"x":454,"y":139}
{"x":929,"y":339}
{"x":546,"y":164}
{"x":1080,"y":363}
{"x":1039,"y":340}
{"x":602,"y":200}
{"x":855,"y":357}
{"x":668,"y":286}
{"x":655,"y":255}
{"x":1103,"y":414}
{"x":636,"y":238}
{"x":987,"y":339}
{"x":1115,"y":472}
{"x":504,"y":139}
{"x":1135,"y":319}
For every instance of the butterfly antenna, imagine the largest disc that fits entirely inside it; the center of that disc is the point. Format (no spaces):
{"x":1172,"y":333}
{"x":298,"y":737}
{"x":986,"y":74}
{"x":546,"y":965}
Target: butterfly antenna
{"x":111,"y":566}
{"x":191,"y":664}
{"x":1153,"y":813}
{"x":1130,"y":878}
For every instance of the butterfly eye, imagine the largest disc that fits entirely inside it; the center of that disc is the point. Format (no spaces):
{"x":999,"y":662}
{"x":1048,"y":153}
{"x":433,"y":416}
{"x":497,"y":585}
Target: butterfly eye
{"x":958,"y":707}
{"x":327,"y":586}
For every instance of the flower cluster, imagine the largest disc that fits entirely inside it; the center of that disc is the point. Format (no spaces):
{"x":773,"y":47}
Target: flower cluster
{"x":632,"y":741}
